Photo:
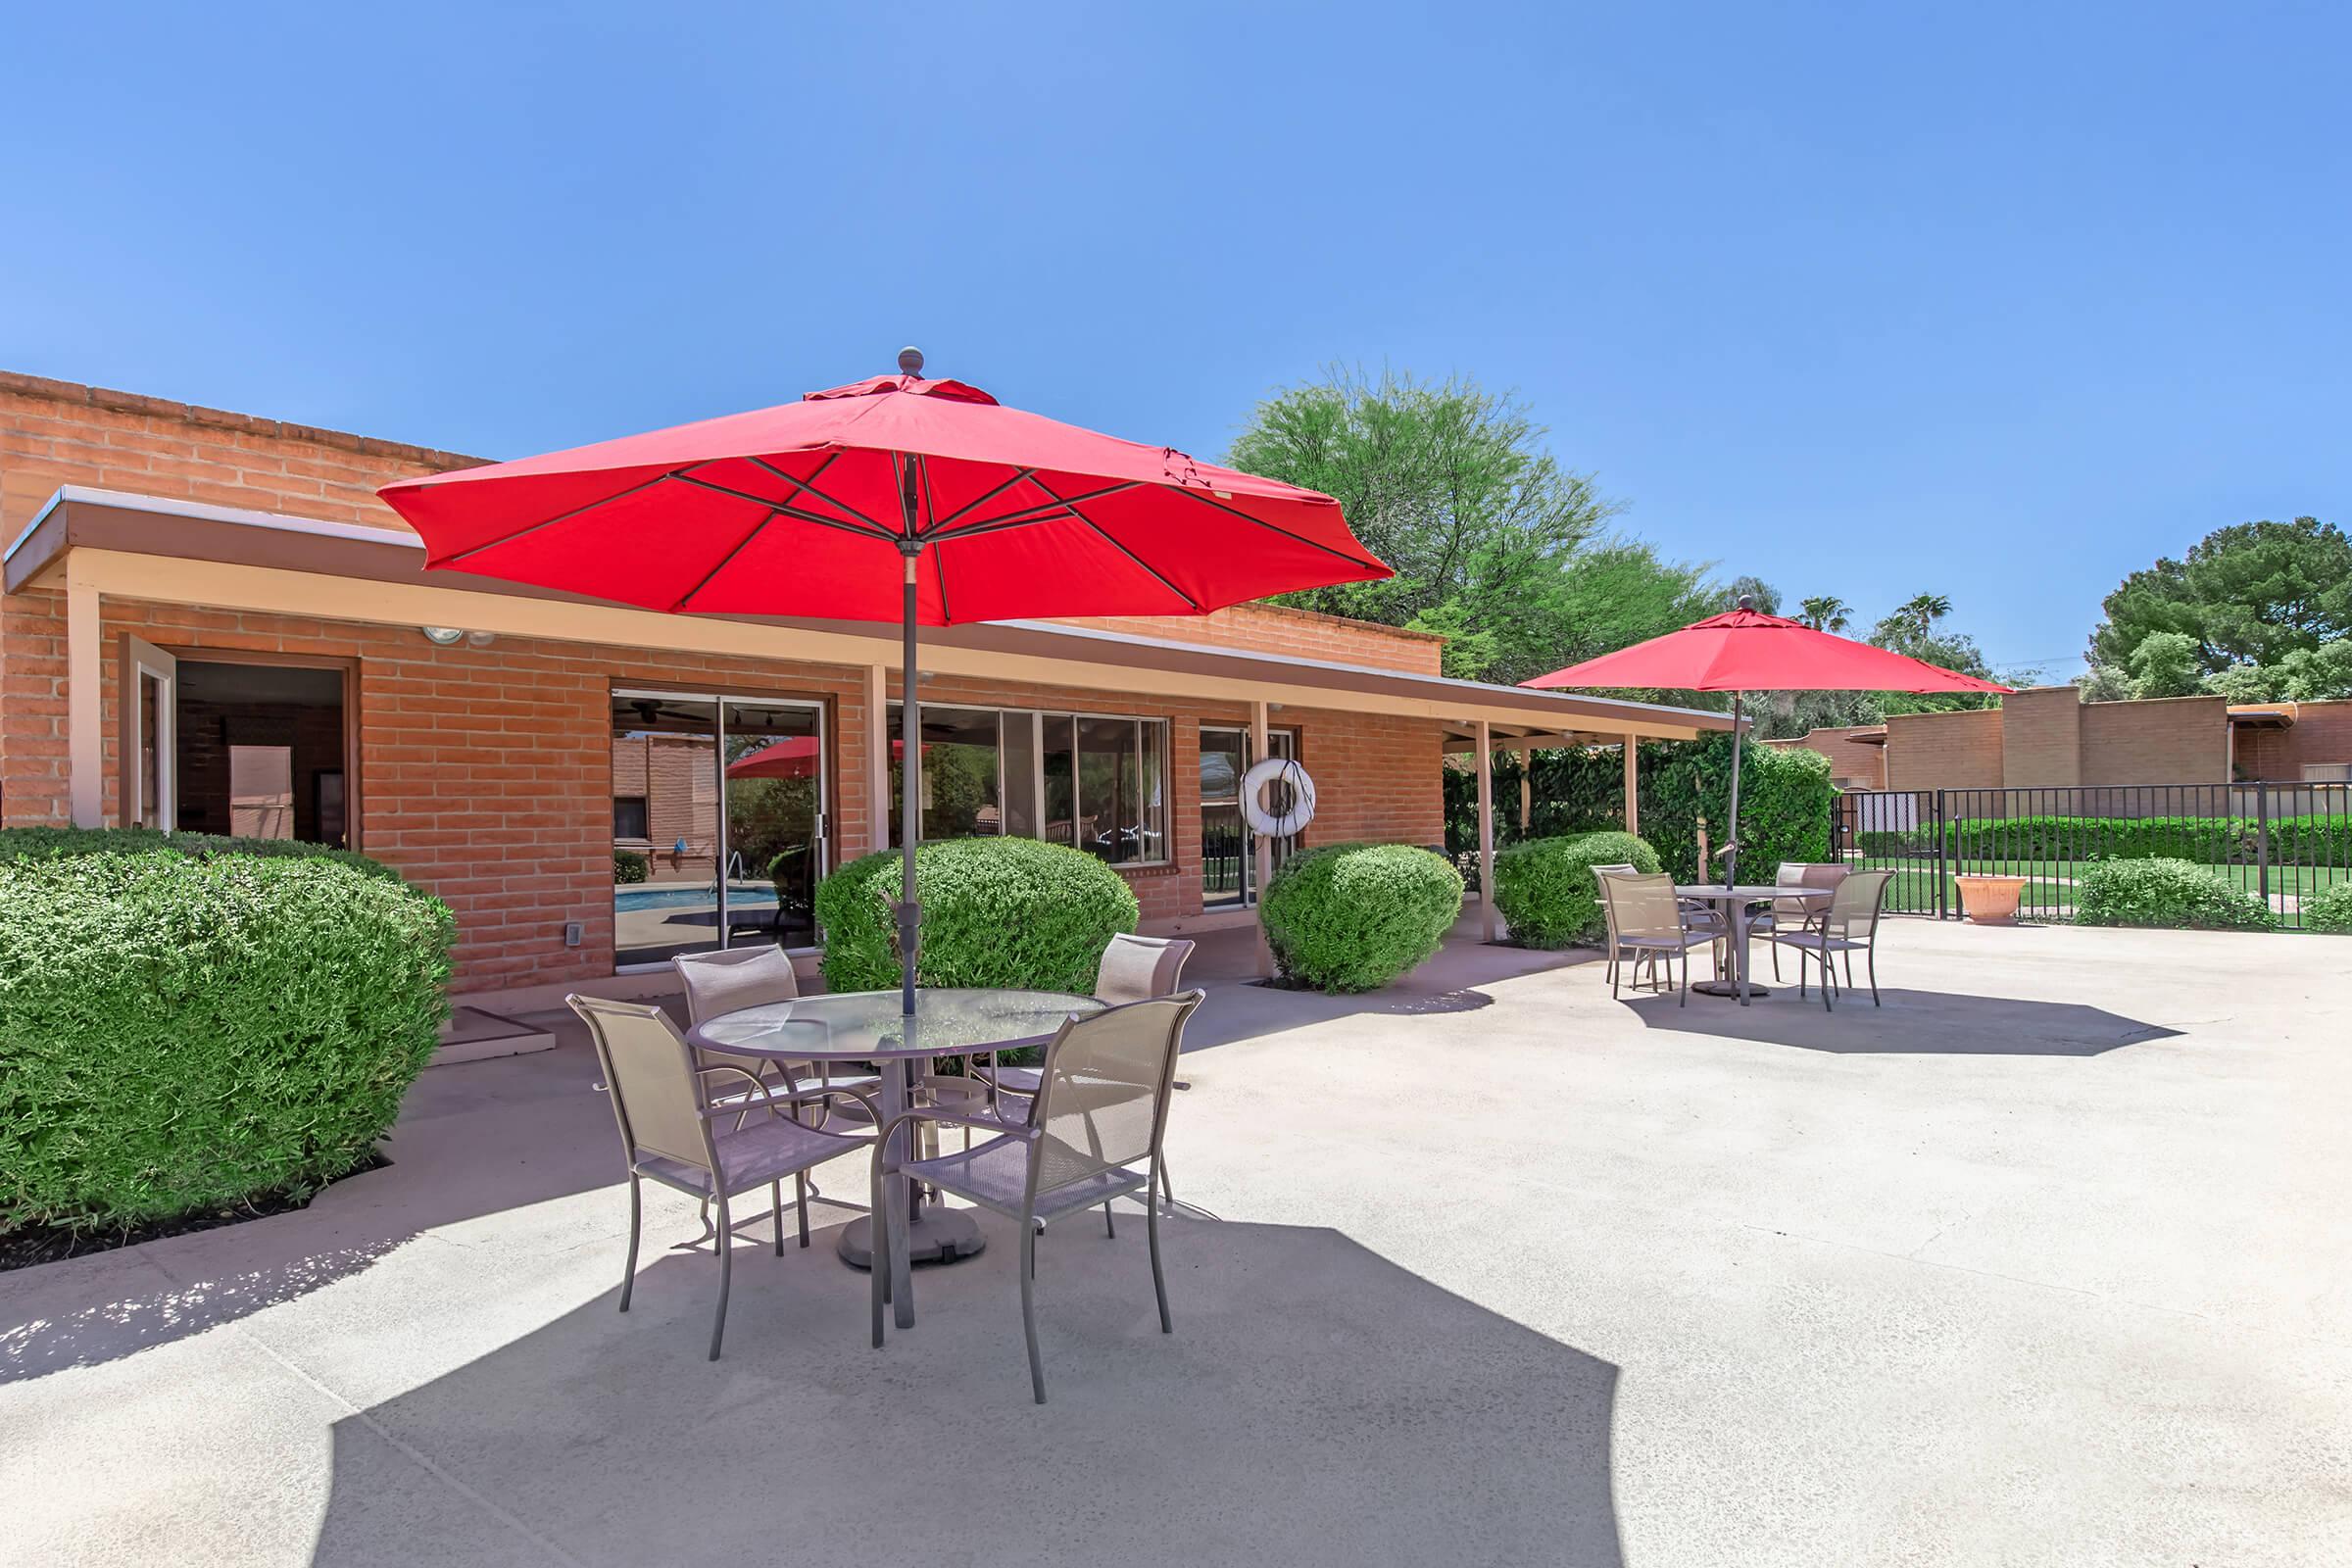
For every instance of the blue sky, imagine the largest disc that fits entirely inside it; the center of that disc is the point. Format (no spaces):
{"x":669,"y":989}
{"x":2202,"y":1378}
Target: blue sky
{"x":1996,"y":301}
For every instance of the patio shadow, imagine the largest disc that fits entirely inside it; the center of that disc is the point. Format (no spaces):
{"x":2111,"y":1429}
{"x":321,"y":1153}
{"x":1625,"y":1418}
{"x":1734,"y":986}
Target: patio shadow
{"x":1909,"y":1023}
{"x":1317,"y":1405}
{"x":454,"y":1158}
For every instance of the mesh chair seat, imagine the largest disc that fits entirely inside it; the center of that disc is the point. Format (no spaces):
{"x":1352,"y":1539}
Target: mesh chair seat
{"x":1687,"y":940}
{"x":996,"y":1175}
{"x":1816,"y":941}
{"x":757,"y":1154}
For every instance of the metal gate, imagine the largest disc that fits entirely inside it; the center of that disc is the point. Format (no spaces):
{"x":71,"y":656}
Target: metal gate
{"x":2284,"y":843}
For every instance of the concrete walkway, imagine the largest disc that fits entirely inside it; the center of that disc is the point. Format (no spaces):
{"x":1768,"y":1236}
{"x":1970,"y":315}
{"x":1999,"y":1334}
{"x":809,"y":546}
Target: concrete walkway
{"x":2043,"y":1262}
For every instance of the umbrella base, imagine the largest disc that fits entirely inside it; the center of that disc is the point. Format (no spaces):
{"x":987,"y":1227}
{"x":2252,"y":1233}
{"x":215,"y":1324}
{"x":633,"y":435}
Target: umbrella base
{"x":935,"y":1235}
{"x":1727,"y":988}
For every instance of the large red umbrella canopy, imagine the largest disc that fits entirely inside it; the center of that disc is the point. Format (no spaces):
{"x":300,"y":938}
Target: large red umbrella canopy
{"x":801,"y":509}
{"x":1745,"y":650}
{"x":1748,"y":650}
{"x":795,"y":756}
{"x":925,"y":502}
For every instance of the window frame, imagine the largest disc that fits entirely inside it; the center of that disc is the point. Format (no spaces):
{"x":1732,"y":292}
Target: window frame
{"x":1037,"y":717}
{"x":127,"y":696}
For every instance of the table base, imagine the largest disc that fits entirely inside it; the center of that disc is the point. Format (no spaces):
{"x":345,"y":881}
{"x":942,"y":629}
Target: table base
{"x":938,"y":1236}
{"x":1727,"y":988}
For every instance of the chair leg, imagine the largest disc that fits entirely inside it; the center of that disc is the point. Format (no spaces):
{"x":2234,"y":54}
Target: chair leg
{"x":1159,"y":1280}
{"x":1775,"y":949}
{"x":726,"y":1269}
{"x":1683,"y":1000}
{"x":775,"y":1191}
{"x":877,"y":1257}
{"x":1871,"y":962}
{"x":1168,"y":1188}
{"x":1825,"y":981}
{"x":1849,"y":968}
{"x":800,"y":1182}
{"x":628,"y":1270}
{"x":1110,"y":1227}
{"x":1037,"y":1367}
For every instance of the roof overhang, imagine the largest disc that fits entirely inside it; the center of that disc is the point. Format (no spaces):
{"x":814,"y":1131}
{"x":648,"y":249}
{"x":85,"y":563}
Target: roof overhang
{"x":183,"y":551}
{"x":2263,"y":715}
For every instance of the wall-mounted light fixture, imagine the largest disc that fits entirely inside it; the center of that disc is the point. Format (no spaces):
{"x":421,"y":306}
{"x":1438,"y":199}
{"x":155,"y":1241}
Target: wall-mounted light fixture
{"x":443,"y":636}
{"x":480,"y":639}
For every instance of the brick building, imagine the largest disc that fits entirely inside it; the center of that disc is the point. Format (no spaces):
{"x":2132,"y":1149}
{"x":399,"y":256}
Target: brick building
{"x":2048,"y":737}
{"x":210,"y":620}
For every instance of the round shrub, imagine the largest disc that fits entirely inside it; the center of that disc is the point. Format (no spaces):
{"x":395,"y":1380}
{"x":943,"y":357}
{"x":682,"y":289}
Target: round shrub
{"x":2330,"y":910}
{"x":180,"y":1031}
{"x":997,"y":911}
{"x":1355,"y":916}
{"x":1545,"y":892}
{"x":2165,"y":893}
{"x":629,"y":867}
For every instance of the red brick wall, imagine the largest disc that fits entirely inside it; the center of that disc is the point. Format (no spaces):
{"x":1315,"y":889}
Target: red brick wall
{"x":1944,"y":751}
{"x":486,"y":775}
{"x":2176,"y":740}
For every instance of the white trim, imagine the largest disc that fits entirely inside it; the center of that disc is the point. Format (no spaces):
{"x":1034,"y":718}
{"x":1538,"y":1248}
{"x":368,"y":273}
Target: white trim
{"x":202,"y":511}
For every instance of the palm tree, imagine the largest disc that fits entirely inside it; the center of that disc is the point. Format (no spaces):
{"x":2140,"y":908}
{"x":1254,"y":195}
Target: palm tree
{"x":1924,"y":609}
{"x":1826,"y":612}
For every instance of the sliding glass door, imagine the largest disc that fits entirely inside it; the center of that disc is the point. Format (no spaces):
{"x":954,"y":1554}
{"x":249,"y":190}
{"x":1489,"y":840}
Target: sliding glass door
{"x":718,"y":823}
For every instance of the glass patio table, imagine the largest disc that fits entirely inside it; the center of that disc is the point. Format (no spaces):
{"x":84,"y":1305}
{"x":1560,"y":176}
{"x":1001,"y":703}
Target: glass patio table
{"x":868,"y":1026}
{"x":1734,"y":902}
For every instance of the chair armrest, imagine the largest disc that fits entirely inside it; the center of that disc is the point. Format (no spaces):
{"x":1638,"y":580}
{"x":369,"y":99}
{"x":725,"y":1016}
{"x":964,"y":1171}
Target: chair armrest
{"x":771,"y":1099}
{"x":932,"y":1114}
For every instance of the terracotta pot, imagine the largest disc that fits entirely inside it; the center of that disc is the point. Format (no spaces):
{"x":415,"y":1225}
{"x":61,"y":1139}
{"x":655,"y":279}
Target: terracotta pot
{"x":1990,"y":900}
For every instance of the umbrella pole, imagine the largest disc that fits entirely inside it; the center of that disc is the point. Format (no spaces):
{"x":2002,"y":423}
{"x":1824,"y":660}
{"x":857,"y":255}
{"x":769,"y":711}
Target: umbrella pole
{"x":910,"y":793}
{"x":1731,"y":834}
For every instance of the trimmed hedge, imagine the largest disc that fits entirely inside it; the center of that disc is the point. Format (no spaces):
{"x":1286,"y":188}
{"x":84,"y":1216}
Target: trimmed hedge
{"x":1355,"y":916}
{"x":997,"y":911}
{"x":2330,"y":910}
{"x":2166,"y":892}
{"x":1784,"y":802}
{"x":629,"y":867}
{"x":1545,"y":890}
{"x":2320,"y":840}
{"x":188,"y":1023}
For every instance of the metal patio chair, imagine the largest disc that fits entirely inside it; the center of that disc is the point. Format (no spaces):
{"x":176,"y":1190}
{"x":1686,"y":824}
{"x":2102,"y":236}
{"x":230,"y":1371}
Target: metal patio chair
{"x":1092,"y":1133}
{"x":1790,"y":915}
{"x":1850,"y":924}
{"x":1608,"y":911}
{"x":662,"y":1104}
{"x":720,"y":983}
{"x":1651,"y":924}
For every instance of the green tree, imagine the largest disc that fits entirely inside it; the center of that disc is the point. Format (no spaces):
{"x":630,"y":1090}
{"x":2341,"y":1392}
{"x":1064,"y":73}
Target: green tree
{"x":2250,"y":593}
{"x":1826,"y":612}
{"x":1924,"y":610}
{"x":2165,"y":665}
{"x":1495,"y":545}
{"x":2104,"y":683}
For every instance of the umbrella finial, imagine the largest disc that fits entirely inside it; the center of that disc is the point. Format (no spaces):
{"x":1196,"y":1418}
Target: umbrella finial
{"x":1747,"y":601}
{"x":910,"y":361}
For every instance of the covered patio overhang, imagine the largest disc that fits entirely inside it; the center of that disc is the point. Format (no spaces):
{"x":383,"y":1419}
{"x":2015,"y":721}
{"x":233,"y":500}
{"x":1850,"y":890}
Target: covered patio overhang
{"x":101,"y":543}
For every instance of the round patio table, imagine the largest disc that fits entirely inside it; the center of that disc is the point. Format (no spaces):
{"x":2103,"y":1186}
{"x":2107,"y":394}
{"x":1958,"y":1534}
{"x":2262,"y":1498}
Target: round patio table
{"x":1734,"y":903}
{"x":868,"y":1026}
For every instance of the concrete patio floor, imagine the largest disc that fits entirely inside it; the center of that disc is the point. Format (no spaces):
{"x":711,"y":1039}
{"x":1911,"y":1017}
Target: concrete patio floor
{"x":2043,"y":1262}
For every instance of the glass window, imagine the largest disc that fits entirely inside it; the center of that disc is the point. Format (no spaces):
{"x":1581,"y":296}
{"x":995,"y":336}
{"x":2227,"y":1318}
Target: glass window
{"x":1062,"y":779}
{"x":1021,"y":774}
{"x":962,"y":797}
{"x":629,"y":817}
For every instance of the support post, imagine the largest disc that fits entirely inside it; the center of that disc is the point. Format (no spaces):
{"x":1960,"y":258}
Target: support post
{"x":877,"y":758}
{"x":1486,"y":831}
{"x":1633,"y":784}
{"x":84,"y":748}
{"x":1262,"y":849}
{"x":1527,"y":790}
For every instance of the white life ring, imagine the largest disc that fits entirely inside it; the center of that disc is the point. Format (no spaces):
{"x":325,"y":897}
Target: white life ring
{"x":1265,"y":824}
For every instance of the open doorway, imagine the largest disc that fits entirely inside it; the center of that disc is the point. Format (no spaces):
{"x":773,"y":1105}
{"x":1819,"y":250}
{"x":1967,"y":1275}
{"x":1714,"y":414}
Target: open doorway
{"x":257,"y":751}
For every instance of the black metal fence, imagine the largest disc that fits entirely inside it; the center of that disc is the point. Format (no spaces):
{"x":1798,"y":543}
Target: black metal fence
{"x":2285,"y":843}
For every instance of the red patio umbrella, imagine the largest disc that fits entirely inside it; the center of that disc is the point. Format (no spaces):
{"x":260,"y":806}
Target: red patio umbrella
{"x":925,"y":502}
{"x":1743,"y":651}
{"x":794,"y":756}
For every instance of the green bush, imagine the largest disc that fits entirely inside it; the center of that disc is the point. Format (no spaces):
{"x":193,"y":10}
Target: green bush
{"x":2165,"y":893}
{"x":1545,"y":890}
{"x":2330,"y":910}
{"x":185,"y":1024}
{"x":997,"y":911}
{"x":1355,"y":916}
{"x":52,"y":843}
{"x":629,"y":867}
{"x":1785,"y":801}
